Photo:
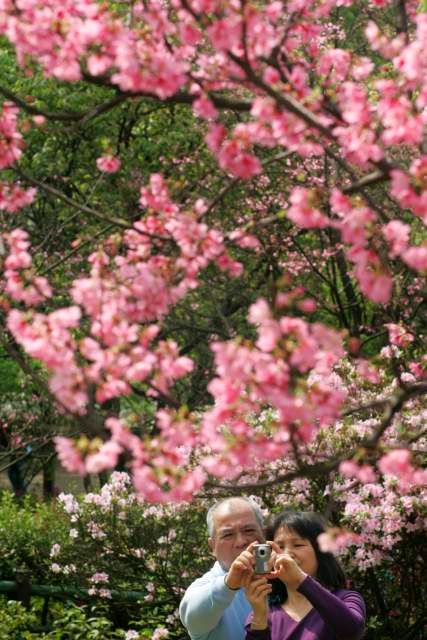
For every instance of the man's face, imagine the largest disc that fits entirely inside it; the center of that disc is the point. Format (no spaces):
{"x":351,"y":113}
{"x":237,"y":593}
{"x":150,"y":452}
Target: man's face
{"x":235,"y":527}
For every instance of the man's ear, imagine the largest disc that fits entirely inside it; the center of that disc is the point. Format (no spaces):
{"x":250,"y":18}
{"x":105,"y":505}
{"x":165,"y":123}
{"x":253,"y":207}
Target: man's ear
{"x":211,"y":544}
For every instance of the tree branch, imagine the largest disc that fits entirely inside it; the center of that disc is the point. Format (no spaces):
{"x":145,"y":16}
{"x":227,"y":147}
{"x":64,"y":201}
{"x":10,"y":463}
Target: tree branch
{"x":395,"y":403}
{"x":119,"y":222}
{"x":64,"y":116}
{"x":219,"y":101}
{"x":403,"y":16}
{"x":375,"y":177}
{"x":76,"y":250}
{"x":181,"y":97}
{"x":232,"y":183}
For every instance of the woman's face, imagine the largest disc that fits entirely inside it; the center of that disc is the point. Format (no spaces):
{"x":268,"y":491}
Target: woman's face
{"x":300,"y":549}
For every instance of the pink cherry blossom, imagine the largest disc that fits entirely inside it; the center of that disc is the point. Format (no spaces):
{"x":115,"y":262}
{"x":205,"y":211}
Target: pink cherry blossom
{"x":416,"y":258}
{"x":303,"y":209}
{"x":233,"y":158}
{"x":334,"y":540}
{"x":367,"y":371}
{"x":406,"y":193}
{"x":374,"y":280}
{"x":397,"y":462}
{"x":10,"y":138}
{"x":105,"y":458}
{"x":21,"y":284}
{"x":70,"y":458}
{"x":399,"y":335}
{"x":335,"y":64}
{"x":397,"y":235}
{"x":108,"y":164}
{"x":226,"y":34}
{"x":204,"y":108}
{"x":13,"y":197}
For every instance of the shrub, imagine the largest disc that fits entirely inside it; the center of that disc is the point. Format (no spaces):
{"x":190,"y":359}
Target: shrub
{"x":112,"y":542}
{"x":27,"y":531}
{"x":15,"y":620}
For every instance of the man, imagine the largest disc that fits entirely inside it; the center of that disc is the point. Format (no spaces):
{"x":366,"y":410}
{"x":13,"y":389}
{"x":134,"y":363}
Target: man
{"x":214,"y":606}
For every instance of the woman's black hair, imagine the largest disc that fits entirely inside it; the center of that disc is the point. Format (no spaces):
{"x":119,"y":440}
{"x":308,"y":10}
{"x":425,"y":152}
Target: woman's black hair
{"x":307,"y":525}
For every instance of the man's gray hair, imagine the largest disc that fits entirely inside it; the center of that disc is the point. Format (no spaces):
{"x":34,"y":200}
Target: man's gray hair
{"x":217,"y":505}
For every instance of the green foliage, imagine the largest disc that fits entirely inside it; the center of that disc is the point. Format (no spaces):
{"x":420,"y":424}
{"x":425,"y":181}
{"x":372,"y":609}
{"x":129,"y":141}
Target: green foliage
{"x":27,"y":532}
{"x":158,"y":550}
{"x":9,"y":374}
{"x":83,"y":623}
{"x":15,"y":620}
{"x":26,"y":422}
{"x":136,"y":547}
{"x":71,"y":622}
{"x":132,"y":542}
{"x":144,"y":549}
{"x":149,"y":136}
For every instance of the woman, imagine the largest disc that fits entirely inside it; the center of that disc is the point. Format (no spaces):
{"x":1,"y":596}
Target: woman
{"x":307,"y":597}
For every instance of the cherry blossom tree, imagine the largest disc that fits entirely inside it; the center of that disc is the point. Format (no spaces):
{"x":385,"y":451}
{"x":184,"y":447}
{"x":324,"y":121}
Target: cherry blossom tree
{"x":287,"y":241}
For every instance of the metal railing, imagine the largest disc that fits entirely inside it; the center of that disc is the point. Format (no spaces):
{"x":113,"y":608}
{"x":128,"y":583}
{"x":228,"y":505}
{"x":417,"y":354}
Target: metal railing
{"x":22,"y":589}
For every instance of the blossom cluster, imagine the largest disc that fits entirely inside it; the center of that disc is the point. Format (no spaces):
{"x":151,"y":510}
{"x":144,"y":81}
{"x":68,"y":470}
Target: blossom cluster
{"x":301,"y":96}
{"x":382,"y":516}
{"x":21,"y":283}
{"x":136,"y":535}
{"x":12,"y":196}
{"x":11,"y":141}
{"x":121,"y":292}
{"x":272,"y":373}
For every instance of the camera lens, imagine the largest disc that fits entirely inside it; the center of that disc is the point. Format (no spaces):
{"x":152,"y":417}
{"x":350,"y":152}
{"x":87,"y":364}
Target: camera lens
{"x":262,"y":552}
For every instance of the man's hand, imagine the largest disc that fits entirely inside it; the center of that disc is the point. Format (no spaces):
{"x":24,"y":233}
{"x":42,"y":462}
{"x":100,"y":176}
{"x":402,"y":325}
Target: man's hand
{"x":242,"y":567}
{"x":286,"y":569}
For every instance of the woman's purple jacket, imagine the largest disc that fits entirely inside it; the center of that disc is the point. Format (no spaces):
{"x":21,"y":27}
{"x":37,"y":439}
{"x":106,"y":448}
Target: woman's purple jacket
{"x":335,"y":616}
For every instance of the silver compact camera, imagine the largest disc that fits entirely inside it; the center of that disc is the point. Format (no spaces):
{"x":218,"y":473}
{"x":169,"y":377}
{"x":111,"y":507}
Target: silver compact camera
{"x":262,"y":554}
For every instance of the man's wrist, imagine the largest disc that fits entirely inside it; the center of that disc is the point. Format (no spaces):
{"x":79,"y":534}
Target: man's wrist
{"x":227,"y":585}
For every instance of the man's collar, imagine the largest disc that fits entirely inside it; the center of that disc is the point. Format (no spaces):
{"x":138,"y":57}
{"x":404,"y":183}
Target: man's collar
{"x":218,"y":569}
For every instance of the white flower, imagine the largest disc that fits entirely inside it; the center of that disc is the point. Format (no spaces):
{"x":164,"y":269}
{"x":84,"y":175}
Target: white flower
{"x":99,"y":577}
{"x":69,"y":502}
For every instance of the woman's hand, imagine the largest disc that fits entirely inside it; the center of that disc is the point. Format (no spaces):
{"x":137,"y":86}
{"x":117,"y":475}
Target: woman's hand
{"x":257,"y":589}
{"x":286,"y":569}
